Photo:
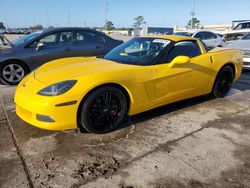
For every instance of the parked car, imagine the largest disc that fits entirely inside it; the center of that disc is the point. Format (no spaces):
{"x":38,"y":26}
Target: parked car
{"x":96,"y":94}
{"x":182,"y":33}
{"x":31,"y":51}
{"x":237,"y":32}
{"x":211,"y":39}
{"x":244,"y":45}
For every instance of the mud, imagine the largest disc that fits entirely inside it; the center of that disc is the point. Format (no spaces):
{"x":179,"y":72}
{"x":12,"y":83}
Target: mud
{"x":99,"y":167}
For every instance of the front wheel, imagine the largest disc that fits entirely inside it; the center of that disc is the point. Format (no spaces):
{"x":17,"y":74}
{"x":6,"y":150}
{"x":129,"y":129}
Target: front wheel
{"x":12,"y":72}
{"x":223,"y":82}
{"x":103,"y":110}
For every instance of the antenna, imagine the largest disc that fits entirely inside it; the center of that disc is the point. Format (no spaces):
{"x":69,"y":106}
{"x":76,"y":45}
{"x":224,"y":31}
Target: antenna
{"x":192,"y":15}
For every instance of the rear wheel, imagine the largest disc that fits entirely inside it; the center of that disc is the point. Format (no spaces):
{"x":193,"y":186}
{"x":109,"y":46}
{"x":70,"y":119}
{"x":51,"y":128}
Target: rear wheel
{"x":223,"y":82}
{"x":12,"y":72}
{"x":103,"y":110}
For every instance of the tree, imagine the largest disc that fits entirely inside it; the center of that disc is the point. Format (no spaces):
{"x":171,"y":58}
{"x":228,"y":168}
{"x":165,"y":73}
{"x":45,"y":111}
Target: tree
{"x":109,"y":25}
{"x":36,"y":27}
{"x":139,"y":20}
{"x":196,"y":23}
{"x":2,"y":25}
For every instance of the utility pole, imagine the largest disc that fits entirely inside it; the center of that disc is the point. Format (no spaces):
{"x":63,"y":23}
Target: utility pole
{"x":106,"y":13}
{"x":68,"y":15}
{"x":47,"y":18}
{"x":192,"y":15}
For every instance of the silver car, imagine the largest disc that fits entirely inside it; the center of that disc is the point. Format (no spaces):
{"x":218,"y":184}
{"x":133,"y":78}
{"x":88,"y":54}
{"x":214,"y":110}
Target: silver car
{"x":19,"y":57}
{"x":211,"y":39}
{"x":244,"y":45}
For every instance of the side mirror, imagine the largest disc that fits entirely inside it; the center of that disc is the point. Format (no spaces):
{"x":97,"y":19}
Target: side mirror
{"x":179,"y":60}
{"x":40,"y":45}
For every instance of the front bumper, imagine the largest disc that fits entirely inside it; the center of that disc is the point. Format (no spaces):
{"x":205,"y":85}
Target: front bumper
{"x":246,"y":64}
{"x":50,"y":113}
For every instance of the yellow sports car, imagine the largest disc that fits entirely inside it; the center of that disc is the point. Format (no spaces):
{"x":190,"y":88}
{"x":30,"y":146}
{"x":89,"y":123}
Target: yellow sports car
{"x":144,"y":73}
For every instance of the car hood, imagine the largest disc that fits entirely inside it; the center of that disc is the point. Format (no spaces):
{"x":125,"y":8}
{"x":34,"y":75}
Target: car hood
{"x":73,"y":68}
{"x":240,"y":44}
{"x":5,"y":49}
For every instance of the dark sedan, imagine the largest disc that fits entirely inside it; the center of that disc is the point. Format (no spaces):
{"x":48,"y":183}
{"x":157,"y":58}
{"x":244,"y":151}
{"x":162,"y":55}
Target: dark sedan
{"x":19,"y":57}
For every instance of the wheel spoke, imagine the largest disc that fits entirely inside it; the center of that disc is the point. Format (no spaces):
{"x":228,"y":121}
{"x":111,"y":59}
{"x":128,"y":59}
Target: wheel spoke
{"x":11,"y":78}
{"x":6,"y":72}
{"x":18,"y":76}
{"x":108,"y":98}
{"x":19,"y":70}
{"x":11,"y":66}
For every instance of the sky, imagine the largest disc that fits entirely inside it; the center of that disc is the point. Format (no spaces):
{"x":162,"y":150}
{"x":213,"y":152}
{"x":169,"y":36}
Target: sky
{"x":91,"y":13}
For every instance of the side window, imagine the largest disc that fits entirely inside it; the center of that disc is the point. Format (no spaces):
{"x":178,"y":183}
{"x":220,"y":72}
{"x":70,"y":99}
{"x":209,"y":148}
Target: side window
{"x":245,"y":26}
{"x":209,"y":36}
{"x":102,"y":37}
{"x":85,"y":36}
{"x":199,"y":35}
{"x":184,"y":48}
{"x":50,"y":40}
{"x":246,"y":37}
{"x":65,"y":37}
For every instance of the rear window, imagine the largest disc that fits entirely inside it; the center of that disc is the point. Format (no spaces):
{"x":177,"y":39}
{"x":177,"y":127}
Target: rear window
{"x":85,"y":36}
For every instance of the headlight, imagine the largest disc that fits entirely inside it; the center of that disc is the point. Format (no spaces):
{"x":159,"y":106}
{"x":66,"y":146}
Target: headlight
{"x":58,"y":88}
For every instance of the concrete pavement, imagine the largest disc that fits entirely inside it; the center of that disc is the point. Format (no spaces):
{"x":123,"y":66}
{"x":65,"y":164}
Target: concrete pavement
{"x":201,"y":142}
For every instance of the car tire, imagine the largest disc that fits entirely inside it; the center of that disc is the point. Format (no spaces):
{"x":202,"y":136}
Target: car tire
{"x":12,"y":72}
{"x":223,"y":82}
{"x":103,"y":110}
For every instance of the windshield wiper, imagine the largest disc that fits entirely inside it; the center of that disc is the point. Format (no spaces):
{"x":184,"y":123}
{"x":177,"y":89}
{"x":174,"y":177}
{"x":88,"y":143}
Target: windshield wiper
{"x":4,"y":39}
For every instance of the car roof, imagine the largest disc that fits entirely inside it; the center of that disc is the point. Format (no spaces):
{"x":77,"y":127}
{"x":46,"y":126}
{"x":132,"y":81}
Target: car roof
{"x":175,"y":38}
{"x":243,"y":22}
{"x":58,"y":29}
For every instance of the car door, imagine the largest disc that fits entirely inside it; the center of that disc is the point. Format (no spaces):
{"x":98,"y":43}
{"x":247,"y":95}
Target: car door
{"x":86,"y":43}
{"x":54,"y":46}
{"x":210,"y":39}
{"x":185,"y":80}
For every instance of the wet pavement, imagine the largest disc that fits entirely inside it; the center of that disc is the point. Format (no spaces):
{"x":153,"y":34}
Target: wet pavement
{"x":201,"y":142}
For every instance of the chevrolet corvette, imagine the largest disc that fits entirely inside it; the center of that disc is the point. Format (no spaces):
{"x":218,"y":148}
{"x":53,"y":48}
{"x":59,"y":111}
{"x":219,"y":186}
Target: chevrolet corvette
{"x":96,"y":94}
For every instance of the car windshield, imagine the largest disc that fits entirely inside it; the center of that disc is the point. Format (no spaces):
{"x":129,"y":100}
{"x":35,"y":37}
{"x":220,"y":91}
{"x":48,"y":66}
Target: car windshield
{"x":25,"y":39}
{"x":138,"y":51}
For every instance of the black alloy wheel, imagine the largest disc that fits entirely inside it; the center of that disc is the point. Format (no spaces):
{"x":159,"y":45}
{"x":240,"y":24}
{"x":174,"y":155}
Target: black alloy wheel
{"x":103,"y":110}
{"x":223,"y":82}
